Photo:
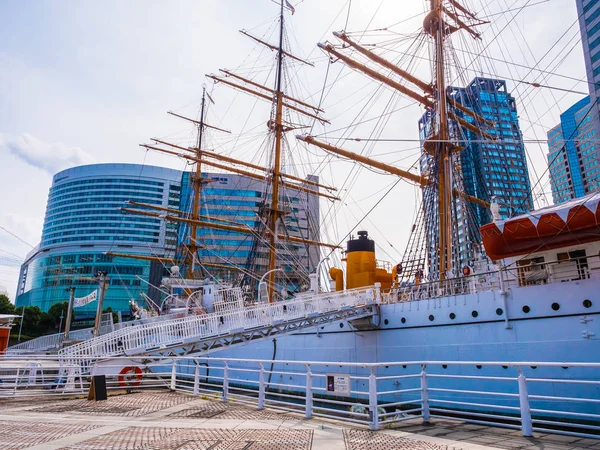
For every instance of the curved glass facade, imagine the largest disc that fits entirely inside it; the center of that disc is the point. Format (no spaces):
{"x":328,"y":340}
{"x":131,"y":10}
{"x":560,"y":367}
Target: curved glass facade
{"x":84,"y":221}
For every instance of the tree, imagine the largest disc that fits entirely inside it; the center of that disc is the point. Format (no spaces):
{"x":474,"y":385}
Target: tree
{"x":6,"y":307}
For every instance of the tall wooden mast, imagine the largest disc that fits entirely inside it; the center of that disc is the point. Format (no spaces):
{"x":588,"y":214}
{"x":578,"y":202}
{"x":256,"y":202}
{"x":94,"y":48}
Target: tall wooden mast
{"x":435,"y":26}
{"x":196,"y":181}
{"x":275,"y":213}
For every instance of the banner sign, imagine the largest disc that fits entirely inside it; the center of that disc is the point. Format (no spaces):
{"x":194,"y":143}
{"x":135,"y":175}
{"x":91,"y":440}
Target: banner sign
{"x":82,"y":301}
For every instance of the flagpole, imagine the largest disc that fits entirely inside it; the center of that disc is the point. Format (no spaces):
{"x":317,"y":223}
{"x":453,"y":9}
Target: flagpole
{"x":69,"y":312}
{"x":102,"y":281}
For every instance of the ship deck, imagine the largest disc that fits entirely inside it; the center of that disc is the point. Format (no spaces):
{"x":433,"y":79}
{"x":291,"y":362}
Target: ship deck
{"x":158,"y":419}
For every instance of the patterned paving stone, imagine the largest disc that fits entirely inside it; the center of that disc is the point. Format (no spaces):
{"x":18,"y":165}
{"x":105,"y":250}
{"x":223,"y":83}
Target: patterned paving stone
{"x":152,"y":438}
{"x":17,"y":435}
{"x":361,"y":439}
{"x":130,"y":405}
{"x":229,"y":411}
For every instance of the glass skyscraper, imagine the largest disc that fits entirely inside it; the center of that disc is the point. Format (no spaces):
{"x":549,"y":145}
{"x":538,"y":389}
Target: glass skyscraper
{"x":485,"y":168}
{"x":589,"y":24}
{"x":83,"y":221}
{"x":572,"y":150}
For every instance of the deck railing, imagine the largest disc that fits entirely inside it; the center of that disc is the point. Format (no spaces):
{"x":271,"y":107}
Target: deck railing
{"x":156,"y":335}
{"x":549,"y":397}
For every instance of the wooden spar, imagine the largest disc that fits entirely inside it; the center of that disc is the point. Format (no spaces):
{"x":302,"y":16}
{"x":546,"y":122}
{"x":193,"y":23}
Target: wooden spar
{"x":197,"y":122}
{"x":384,"y":62}
{"x":273,"y":47}
{"x":471,"y":113}
{"x":266,"y":97}
{"x":242,"y":172}
{"x":246,"y":80}
{"x":166,"y":260}
{"x":219,"y":226}
{"x":377,"y":76}
{"x":470,"y":126}
{"x":462,"y":9}
{"x":179,"y":212}
{"x":418,"y":179}
{"x":208,"y":154}
{"x":463,"y":25}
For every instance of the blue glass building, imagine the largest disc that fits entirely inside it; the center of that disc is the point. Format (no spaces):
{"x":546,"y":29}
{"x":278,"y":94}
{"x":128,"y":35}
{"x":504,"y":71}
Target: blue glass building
{"x":240,"y":199}
{"x":589,"y":24}
{"x":83,"y":221}
{"x":484,"y":168}
{"x":572,"y":150}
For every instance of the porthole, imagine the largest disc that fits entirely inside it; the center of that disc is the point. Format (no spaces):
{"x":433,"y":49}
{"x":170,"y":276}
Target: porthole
{"x":431,"y":317}
{"x":555,"y":306}
{"x":505,"y":367}
{"x":445,"y":366}
{"x":403,"y":320}
{"x":474,"y":313}
{"x":385,"y":322}
{"x":587,"y":303}
{"x":478,"y":366}
{"x":499,"y":311}
{"x":533,"y":367}
{"x":341,"y":325}
{"x":526,"y":309}
{"x":452,"y":316}
{"x":404,"y":366}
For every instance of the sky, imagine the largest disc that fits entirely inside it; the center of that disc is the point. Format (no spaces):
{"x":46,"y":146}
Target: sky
{"x":85,"y":82}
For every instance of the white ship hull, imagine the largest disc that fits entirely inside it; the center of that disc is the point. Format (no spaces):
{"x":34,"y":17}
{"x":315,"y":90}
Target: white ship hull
{"x":406,"y":332}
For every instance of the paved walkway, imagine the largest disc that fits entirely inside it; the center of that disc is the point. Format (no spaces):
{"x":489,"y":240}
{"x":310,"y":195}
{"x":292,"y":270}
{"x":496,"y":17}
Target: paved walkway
{"x":153,"y":420}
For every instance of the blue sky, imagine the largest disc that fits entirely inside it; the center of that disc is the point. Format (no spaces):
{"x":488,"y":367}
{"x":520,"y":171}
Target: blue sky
{"x":87,"y":81}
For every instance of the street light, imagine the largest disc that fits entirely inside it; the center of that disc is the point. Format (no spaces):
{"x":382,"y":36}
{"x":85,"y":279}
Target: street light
{"x":262,"y":283}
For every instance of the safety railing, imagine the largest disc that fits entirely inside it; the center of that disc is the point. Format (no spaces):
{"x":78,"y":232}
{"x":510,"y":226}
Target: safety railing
{"x":156,"y":335}
{"x":549,"y":397}
{"x":514,"y":276}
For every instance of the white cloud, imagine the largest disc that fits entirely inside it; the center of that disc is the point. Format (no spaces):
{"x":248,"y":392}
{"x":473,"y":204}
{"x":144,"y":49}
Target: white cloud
{"x":51,"y":157}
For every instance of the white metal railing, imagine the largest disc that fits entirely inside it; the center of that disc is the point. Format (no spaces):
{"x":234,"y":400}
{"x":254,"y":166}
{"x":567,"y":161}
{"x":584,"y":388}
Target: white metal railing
{"x":514,"y":276}
{"x":156,"y":335}
{"x":549,"y":397}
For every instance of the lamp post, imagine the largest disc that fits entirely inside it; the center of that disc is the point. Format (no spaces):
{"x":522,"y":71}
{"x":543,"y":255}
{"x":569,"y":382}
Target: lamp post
{"x":262,"y":283}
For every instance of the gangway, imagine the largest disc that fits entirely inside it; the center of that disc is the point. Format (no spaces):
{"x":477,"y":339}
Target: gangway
{"x":207,"y":333}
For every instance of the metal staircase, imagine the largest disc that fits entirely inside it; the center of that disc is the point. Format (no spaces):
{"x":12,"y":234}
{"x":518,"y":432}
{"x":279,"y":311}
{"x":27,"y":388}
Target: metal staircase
{"x":215,"y":331}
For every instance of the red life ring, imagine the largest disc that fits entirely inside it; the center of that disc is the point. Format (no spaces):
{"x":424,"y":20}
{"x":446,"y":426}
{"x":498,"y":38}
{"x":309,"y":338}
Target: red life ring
{"x":130,"y":376}
{"x":466,"y":271}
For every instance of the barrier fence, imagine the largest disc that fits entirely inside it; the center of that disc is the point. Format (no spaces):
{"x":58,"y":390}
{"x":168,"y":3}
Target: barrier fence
{"x":561,"y":398}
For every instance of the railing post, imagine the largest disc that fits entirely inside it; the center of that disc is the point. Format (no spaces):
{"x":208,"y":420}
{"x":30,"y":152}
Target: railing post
{"x":424,"y":395}
{"x":526,"y":425}
{"x":225,"y":382}
{"x":261,"y":387}
{"x":173,"y":375}
{"x":197,"y":379}
{"x":373,"y":413}
{"x":309,"y":393}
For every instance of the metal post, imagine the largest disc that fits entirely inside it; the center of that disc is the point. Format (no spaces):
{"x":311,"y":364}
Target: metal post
{"x":102,"y":282}
{"x":504,"y":296}
{"x":424,"y":396}
{"x":173,"y":375}
{"x":69,"y":312}
{"x":526,"y":425}
{"x":197,"y":379}
{"x":309,"y":393}
{"x":261,"y":387}
{"x":378,"y":292}
{"x":225,"y":383}
{"x":374,"y":419}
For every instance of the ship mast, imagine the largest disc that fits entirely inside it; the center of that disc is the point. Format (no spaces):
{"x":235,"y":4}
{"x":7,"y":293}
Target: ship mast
{"x":436,"y":27}
{"x":196,"y":179}
{"x":275,"y":213}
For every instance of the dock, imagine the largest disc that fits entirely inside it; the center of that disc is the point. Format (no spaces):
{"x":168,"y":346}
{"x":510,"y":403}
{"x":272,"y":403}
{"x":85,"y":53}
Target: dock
{"x":158,"y":419}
